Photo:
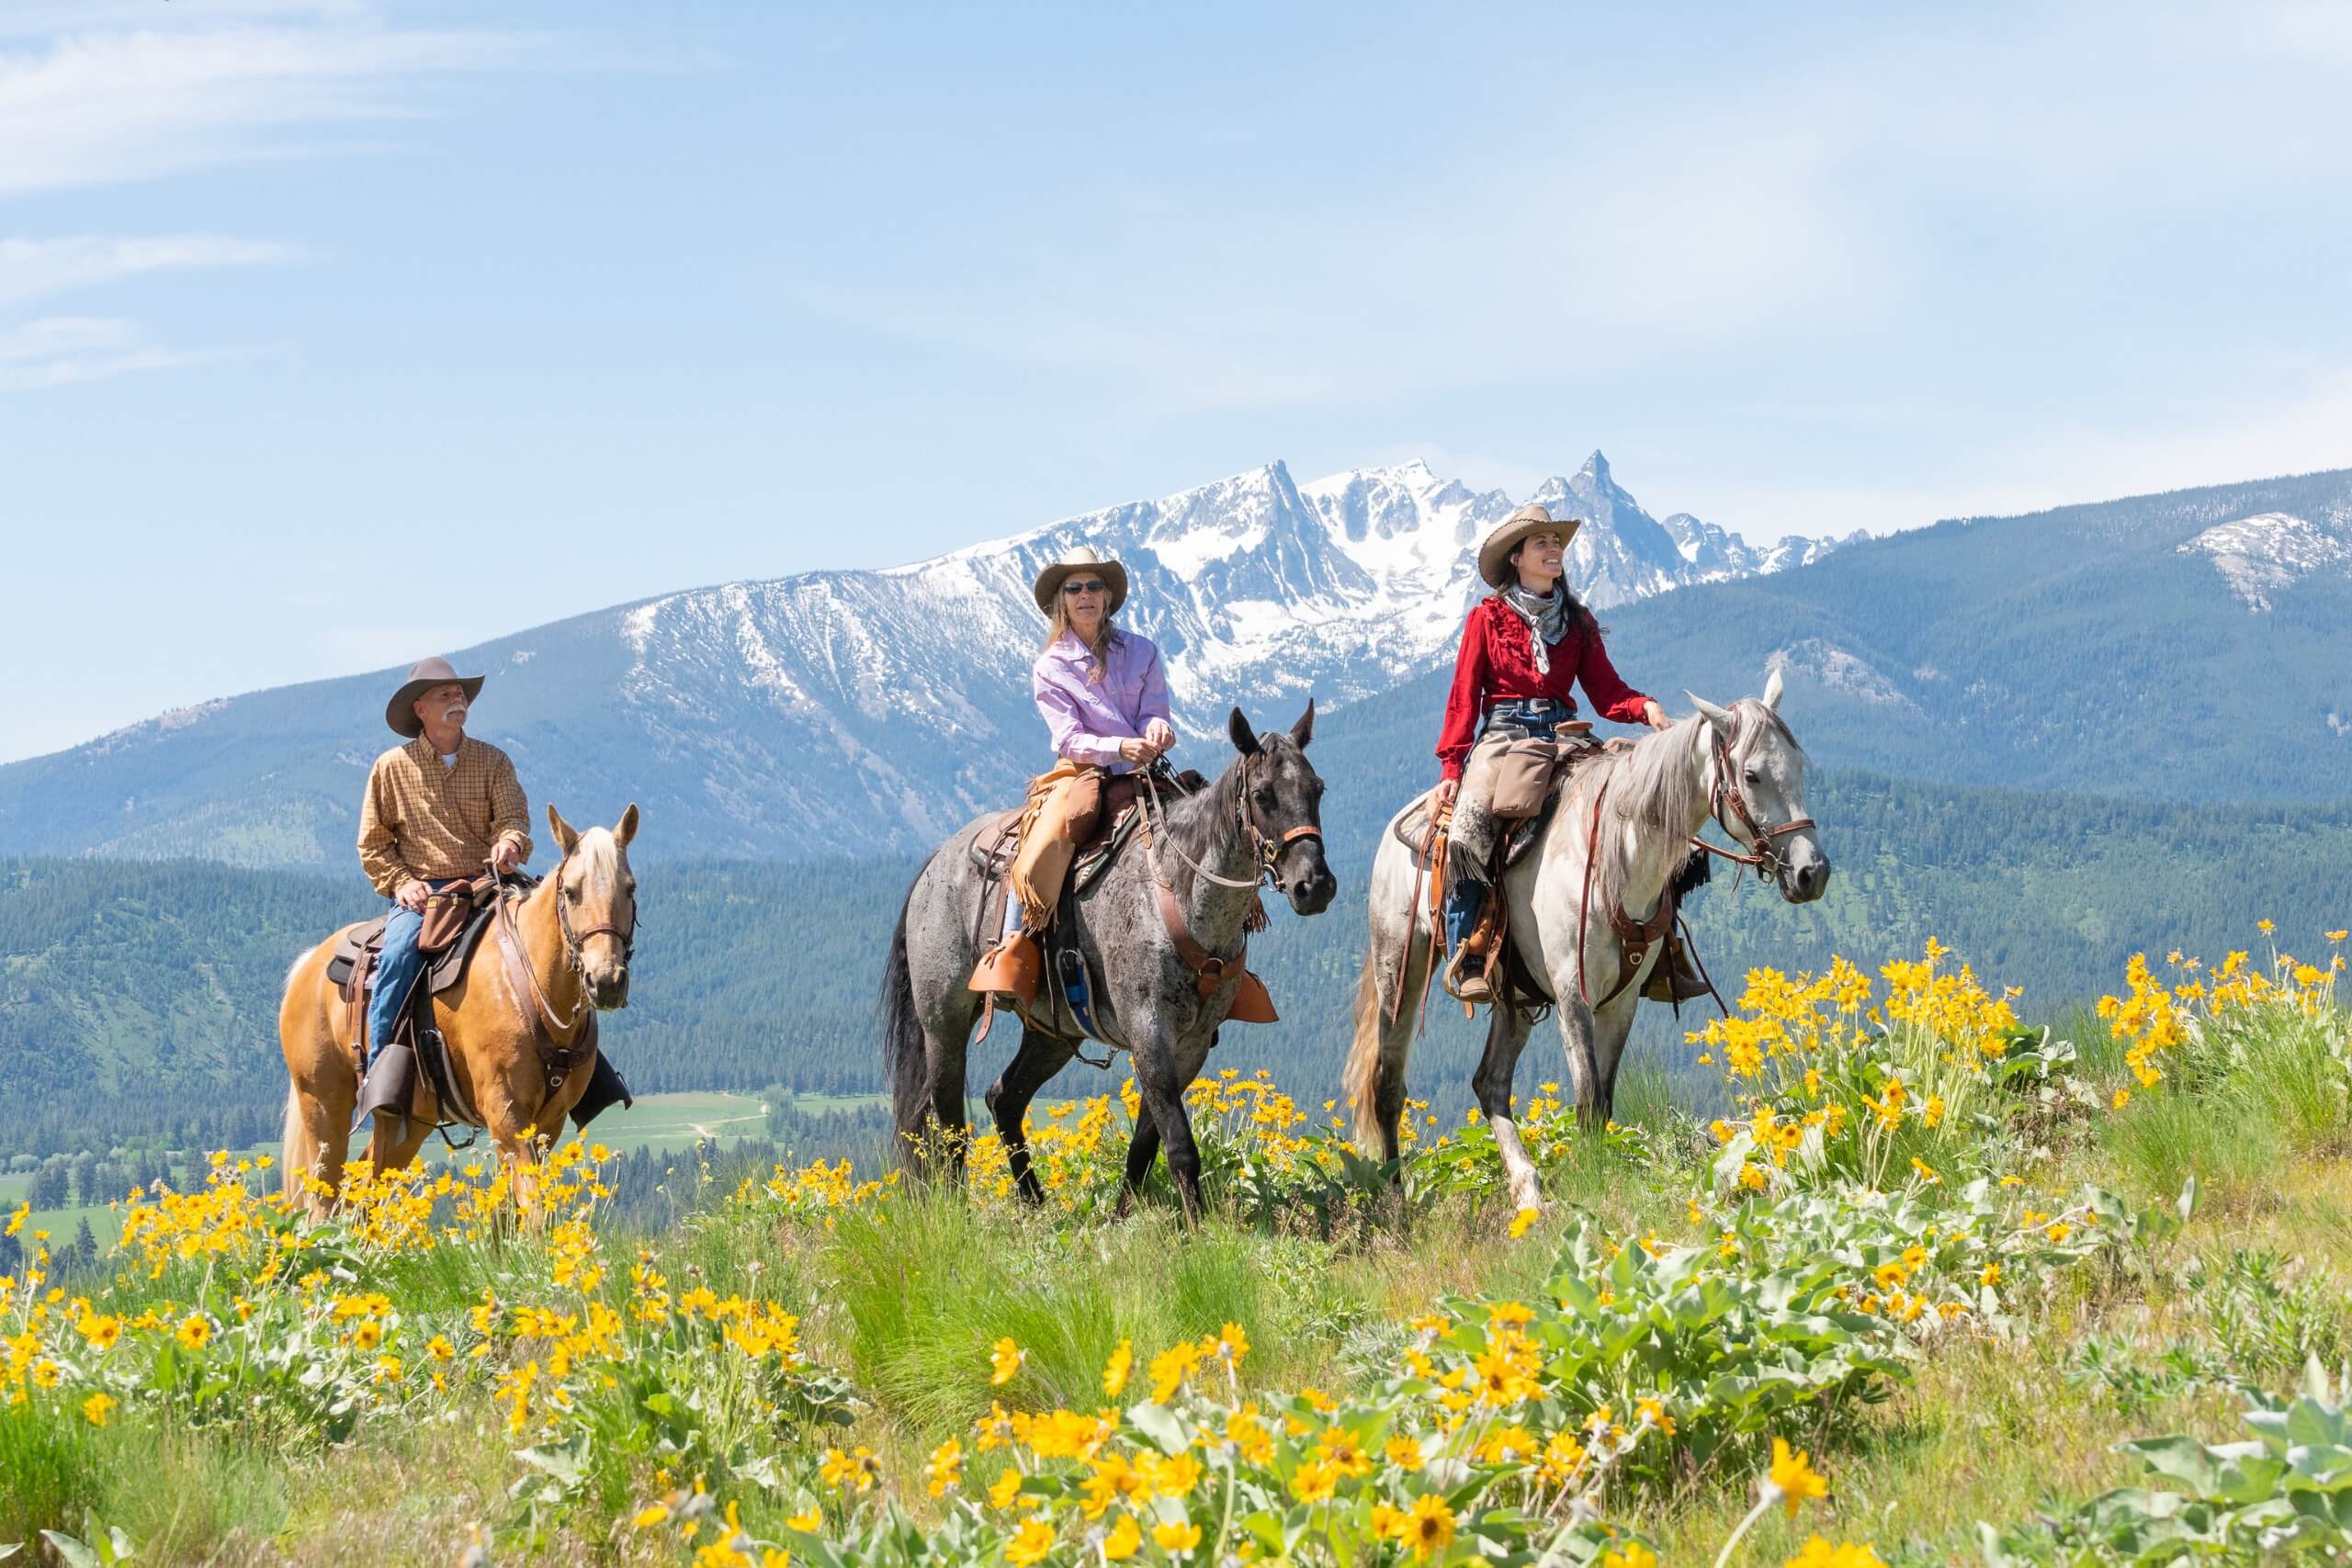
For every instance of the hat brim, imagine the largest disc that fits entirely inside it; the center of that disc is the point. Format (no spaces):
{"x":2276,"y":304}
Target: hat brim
{"x":1049,"y":582}
{"x":401,"y":716}
{"x":1494,"y":556}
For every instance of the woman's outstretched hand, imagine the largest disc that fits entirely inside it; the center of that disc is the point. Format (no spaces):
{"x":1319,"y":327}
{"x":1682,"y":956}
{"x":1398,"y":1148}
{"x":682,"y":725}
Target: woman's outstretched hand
{"x":1655,"y":716}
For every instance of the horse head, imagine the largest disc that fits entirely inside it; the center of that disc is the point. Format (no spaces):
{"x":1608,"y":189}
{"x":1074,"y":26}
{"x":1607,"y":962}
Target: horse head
{"x":1282,"y":800}
{"x":1756,"y":784}
{"x":595,"y":904}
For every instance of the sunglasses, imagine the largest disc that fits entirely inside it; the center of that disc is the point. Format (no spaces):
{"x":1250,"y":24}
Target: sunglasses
{"x":1083,"y":585}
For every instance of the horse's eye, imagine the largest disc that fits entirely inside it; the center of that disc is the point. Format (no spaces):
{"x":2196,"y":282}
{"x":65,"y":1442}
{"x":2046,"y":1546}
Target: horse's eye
{"x":572,"y":894}
{"x":1754,"y":777}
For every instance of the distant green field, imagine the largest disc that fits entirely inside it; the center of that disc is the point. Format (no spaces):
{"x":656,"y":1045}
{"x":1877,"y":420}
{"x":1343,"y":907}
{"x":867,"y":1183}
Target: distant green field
{"x":666,"y":1124}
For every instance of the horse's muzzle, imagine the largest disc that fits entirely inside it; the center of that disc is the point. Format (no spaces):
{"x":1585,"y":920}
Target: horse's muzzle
{"x":608,"y":990}
{"x":1802,"y":882}
{"x":1312,"y":892}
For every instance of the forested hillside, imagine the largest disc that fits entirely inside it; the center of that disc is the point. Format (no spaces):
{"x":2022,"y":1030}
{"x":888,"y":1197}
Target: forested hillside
{"x":137,"y":997}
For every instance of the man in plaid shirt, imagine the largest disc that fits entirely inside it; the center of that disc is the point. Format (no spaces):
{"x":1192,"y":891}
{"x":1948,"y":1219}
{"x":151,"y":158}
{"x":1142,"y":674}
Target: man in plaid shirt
{"x":437,"y":810}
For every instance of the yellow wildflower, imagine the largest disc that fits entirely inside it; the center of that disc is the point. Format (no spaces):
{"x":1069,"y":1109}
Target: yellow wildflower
{"x":1177,"y":1538}
{"x":1029,"y":1544}
{"x":1004,"y":1361}
{"x":1792,"y":1478}
{"x":1115,"y":1375}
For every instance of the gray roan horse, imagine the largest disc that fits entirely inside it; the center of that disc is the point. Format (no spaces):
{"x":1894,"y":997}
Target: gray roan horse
{"x":1261,"y":816}
{"x":1739,"y":765}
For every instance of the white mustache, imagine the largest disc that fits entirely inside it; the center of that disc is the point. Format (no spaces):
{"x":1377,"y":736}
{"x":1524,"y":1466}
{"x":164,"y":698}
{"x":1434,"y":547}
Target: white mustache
{"x":455,"y":711}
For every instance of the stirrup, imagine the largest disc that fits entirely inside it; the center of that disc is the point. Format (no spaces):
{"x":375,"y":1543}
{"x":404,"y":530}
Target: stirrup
{"x":1013,"y":967}
{"x":1465,"y":977}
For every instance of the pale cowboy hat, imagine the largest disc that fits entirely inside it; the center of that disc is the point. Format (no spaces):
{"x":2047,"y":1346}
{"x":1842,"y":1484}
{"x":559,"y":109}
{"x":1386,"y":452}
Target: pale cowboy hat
{"x":1114,"y":576}
{"x":422,"y":676}
{"x":1494,"y":556}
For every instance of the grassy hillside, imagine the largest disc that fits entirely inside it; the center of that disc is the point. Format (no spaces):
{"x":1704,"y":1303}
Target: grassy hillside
{"x":1898,"y":1306}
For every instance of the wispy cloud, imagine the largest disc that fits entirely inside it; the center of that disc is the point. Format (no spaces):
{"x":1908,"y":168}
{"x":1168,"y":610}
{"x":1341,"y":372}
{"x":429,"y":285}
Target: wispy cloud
{"x":97,"y":106}
{"x":60,"y":351}
{"x":32,"y":268}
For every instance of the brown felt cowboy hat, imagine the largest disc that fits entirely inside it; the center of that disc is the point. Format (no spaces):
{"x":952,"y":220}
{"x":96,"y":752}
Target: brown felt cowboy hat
{"x":422,"y":676}
{"x":1114,"y":576}
{"x":1494,"y":556}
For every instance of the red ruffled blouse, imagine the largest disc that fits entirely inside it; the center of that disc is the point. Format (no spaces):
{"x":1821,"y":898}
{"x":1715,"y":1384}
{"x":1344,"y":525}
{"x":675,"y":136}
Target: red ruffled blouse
{"x":1497,"y":663}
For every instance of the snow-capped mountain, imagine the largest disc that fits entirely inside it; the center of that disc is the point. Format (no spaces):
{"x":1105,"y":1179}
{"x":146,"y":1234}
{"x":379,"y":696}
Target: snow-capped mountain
{"x":864,"y":710}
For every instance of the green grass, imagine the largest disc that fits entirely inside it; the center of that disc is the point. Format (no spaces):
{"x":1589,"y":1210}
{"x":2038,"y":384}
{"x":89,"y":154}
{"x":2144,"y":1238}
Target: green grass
{"x":906,"y":1301}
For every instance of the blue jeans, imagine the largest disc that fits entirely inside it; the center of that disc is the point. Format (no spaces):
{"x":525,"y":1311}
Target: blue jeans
{"x":1517,"y":718}
{"x":398,"y":965}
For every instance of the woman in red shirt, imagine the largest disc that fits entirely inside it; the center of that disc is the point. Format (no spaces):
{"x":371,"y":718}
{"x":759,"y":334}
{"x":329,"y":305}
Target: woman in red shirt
{"x":1524,"y":648}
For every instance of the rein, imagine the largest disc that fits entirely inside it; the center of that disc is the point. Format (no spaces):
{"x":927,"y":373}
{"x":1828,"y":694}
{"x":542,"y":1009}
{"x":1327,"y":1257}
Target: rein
{"x":1264,"y":851}
{"x":1761,"y":853}
{"x":1209,"y":971}
{"x":574,"y":963}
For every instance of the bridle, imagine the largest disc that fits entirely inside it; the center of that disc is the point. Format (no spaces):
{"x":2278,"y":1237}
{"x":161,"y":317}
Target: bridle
{"x":1265,"y":849}
{"x":573,"y":958}
{"x":1726,"y":796}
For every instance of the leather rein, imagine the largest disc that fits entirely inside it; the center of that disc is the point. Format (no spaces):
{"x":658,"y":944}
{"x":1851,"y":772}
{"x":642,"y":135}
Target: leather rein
{"x":558,"y":1061}
{"x":1209,"y":971}
{"x":1761,"y":853}
{"x":1635,"y":937}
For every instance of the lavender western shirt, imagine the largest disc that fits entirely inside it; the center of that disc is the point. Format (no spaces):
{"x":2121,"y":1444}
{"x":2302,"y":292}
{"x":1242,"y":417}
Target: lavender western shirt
{"x":1087,"y":719}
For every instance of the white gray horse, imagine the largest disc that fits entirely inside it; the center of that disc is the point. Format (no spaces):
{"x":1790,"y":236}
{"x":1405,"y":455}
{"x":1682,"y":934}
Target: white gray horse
{"x":1209,"y":851}
{"x":1641,"y":808}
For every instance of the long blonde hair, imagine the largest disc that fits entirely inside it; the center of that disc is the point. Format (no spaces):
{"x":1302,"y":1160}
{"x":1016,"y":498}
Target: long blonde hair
{"x":1057,"y":624}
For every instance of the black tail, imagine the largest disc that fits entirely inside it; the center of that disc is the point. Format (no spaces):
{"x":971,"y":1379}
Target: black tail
{"x":903,"y":1055}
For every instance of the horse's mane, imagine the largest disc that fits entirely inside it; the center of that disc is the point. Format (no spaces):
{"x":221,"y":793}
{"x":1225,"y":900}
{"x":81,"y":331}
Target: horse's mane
{"x":1648,"y":795}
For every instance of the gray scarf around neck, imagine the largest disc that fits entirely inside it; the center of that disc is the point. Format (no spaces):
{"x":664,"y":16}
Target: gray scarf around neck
{"x":1547,"y":616}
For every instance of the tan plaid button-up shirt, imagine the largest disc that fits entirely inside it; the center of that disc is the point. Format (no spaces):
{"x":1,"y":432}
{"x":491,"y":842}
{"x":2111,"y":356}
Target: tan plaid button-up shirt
{"x":422,"y":821}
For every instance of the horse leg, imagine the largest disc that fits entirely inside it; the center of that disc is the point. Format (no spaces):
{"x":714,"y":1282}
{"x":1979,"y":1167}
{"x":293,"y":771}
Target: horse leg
{"x":318,"y":1135}
{"x":1039,"y":1058}
{"x":1142,"y":1150}
{"x":1611,"y":1031}
{"x":1507,"y":1029}
{"x":1163,"y":1101}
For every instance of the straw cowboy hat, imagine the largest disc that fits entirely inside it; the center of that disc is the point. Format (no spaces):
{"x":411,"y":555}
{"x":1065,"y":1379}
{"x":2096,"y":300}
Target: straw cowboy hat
{"x":422,"y":676}
{"x":1494,"y":556}
{"x":1114,"y":576}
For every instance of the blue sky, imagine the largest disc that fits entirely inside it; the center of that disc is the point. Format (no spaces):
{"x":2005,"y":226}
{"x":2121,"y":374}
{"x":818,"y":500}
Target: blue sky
{"x":333,"y":334}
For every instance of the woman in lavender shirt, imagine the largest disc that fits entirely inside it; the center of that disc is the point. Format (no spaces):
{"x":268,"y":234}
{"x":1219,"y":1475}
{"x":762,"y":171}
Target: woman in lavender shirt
{"x":1103,"y":692}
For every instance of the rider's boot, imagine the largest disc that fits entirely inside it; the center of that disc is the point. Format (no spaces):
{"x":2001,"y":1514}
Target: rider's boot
{"x":1466,"y":974}
{"x":1673,"y":979}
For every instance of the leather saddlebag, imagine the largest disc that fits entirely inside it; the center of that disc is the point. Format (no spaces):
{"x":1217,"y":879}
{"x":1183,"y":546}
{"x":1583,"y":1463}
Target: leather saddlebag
{"x":1523,"y":778}
{"x":446,"y":913}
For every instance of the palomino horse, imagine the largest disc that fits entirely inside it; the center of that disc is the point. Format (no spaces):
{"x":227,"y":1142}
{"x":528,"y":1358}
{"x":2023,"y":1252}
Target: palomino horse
{"x":571,"y":934}
{"x":1641,"y":809}
{"x":1207,"y":853}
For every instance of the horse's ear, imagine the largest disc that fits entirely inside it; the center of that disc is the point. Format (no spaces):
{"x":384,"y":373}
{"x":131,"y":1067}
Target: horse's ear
{"x":564,"y":837}
{"x":1304,"y":730}
{"x":1772,"y":690}
{"x":1720,"y":718}
{"x":1244,"y":739}
{"x":626,"y":829}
